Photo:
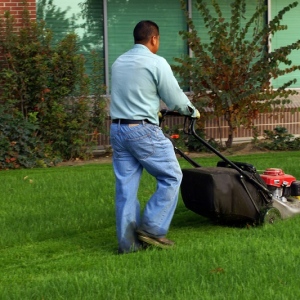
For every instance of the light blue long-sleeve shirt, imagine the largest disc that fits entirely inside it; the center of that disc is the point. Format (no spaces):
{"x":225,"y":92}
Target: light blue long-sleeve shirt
{"x":140,"y":79}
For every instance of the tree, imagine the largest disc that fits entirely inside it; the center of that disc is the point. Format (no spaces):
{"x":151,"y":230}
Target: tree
{"x":232,"y":72}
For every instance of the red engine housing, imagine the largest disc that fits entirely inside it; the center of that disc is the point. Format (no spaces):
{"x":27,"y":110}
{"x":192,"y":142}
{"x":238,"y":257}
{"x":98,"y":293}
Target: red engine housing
{"x":276,"y":177}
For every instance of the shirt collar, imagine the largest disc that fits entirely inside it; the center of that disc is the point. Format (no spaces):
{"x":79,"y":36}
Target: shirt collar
{"x":140,"y":46}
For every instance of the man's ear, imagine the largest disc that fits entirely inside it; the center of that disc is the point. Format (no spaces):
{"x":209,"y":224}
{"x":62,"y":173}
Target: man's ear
{"x":153,"y":44}
{"x":154,"y":40}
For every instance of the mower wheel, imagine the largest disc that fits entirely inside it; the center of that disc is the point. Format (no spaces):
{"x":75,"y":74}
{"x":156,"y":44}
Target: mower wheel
{"x":270,"y":215}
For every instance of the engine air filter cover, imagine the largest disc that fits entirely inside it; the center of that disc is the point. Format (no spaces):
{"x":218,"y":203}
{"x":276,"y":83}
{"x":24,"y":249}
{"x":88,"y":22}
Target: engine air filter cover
{"x":276,"y":177}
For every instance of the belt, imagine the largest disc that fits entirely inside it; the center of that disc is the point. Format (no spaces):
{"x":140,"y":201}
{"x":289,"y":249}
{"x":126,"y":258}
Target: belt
{"x":126,"y":121}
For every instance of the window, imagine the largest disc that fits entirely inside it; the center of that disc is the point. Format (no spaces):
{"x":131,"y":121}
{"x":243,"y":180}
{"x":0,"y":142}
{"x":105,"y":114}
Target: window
{"x":67,"y":16}
{"x":123,"y":15}
{"x":287,"y":37}
{"x":225,"y":8}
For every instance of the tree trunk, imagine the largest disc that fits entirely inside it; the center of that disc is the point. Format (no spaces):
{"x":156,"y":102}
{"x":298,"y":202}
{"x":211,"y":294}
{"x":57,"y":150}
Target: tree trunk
{"x":231,"y":130}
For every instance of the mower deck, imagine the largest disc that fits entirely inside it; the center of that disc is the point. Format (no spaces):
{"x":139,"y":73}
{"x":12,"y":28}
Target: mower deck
{"x":287,"y":209}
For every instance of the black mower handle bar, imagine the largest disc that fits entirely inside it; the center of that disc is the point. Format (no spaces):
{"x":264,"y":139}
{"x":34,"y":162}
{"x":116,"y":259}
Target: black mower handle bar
{"x":189,"y":122}
{"x":189,"y":129}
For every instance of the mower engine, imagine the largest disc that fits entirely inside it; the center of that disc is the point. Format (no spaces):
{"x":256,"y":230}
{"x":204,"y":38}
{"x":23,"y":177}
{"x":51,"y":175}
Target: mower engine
{"x":283,"y":186}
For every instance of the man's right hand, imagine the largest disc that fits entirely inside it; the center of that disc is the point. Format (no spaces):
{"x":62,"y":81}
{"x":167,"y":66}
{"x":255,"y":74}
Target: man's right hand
{"x":196,"y":114}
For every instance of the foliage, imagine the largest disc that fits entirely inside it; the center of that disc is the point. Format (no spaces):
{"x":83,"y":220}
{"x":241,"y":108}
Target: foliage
{"x":194,"y":144}
{"x":176,"y":136}
{"x":279,"y":139}
{"x":87,"y":23}
{"x":99,"y":111}
{"x":232,"y":72}
{"x":19,"y":147}
{"x":189,"y":142}
{"x":47,"y":80}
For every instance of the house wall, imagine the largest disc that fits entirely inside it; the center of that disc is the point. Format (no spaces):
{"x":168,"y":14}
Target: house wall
{"x":214,"y":128}
{"x":16,"y":7}
{"x":122,"y":15}
{"x":286,"y":37}
{"x":108,"y":26}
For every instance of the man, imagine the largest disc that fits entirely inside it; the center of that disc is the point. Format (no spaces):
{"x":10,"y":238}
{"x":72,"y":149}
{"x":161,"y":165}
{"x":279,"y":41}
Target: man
{"x":140,"y":79}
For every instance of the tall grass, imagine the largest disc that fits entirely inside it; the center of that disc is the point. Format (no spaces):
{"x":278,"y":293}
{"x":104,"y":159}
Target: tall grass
{"x":58,"y":241}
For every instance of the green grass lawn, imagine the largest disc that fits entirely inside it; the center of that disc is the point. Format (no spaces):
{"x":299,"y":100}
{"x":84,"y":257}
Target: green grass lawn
{"x":58,"y":241}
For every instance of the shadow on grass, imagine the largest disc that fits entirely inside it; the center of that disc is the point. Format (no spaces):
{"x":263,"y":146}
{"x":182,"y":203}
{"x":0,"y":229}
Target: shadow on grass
{"x":183,"y":217}
{"x":186,"y":218}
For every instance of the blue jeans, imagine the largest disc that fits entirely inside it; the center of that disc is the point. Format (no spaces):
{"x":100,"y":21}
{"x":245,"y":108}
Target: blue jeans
{"x":138,"y":147}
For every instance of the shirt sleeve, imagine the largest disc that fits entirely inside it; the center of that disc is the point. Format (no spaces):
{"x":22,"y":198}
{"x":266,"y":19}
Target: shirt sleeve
{"x":170,"y":92}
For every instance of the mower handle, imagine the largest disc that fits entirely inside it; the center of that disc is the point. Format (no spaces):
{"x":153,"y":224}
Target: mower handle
{"x":189,"y":122}
{"x":189,"y":129}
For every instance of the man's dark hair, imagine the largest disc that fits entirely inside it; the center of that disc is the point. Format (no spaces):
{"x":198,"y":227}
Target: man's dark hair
{"x":144,"y":30}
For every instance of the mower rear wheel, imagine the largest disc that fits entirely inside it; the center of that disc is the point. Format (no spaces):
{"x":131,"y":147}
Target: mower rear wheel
{"x":270,"y":215}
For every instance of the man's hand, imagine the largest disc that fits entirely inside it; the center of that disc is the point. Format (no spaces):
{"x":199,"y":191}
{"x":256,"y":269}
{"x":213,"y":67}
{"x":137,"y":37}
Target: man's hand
{"x":196,"y":114}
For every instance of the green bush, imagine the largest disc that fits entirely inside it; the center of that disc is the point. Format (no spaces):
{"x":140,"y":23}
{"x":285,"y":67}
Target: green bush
{"x":232,"y":70}
{"x":279,"y":139}
{"x":193,"y":144}
{"x":19,"y":147}
{"x":46,"y":81}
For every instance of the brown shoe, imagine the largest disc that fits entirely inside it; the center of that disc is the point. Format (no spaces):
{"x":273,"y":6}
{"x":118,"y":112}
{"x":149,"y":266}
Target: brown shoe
{"x":151,"y":240}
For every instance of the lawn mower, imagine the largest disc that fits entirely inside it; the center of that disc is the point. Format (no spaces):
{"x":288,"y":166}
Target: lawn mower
{"x":233,"y":192}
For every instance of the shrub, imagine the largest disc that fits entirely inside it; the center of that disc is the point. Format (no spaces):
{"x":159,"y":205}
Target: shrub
{"x":231,"y":73}
{"x":46,"y":81}
{"x":19,"y":146}
{"x":279,"y":139}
